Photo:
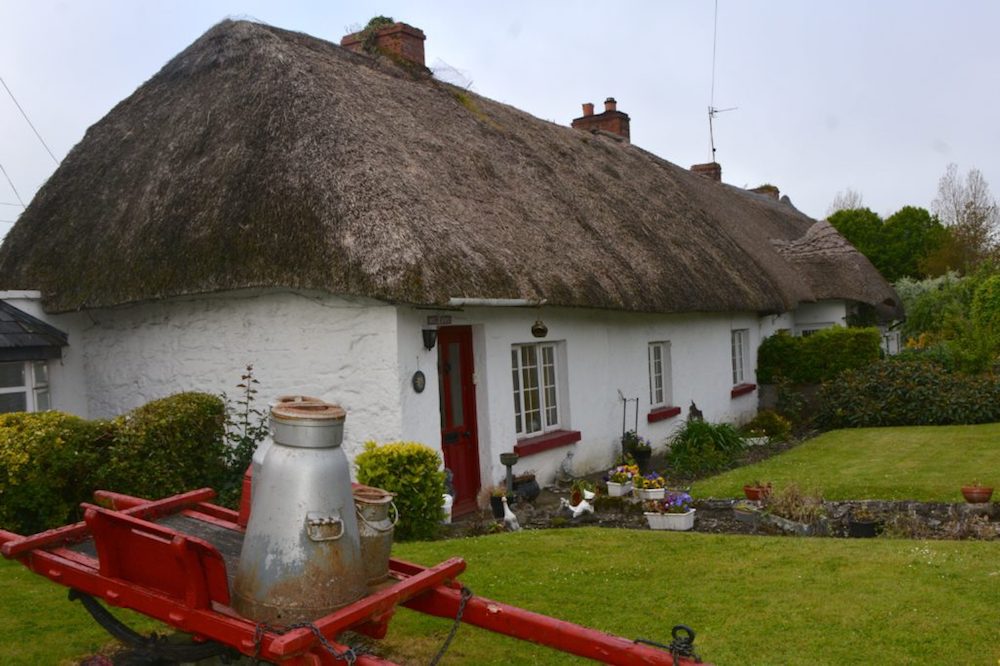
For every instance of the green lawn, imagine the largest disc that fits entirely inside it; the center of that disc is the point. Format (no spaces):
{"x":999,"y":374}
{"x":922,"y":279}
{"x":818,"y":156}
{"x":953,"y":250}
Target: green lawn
{"x":928,"y":463}
{"x":39,"y":625}
{"x":752,"y":600}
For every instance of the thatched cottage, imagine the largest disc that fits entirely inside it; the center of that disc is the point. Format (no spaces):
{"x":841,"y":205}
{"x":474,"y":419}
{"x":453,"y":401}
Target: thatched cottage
{"x":450,"y":269}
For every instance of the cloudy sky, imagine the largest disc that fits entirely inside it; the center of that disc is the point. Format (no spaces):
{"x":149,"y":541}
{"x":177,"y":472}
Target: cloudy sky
{"x":874,"y":96}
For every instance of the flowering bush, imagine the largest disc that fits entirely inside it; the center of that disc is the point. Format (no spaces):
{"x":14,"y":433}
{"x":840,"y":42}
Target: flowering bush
{"x":649,"y":481}
{"x":622,"y":473}
{"x":674,"y":502}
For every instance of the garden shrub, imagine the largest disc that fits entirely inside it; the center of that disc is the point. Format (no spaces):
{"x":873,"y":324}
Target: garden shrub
{"x":167,"y":446}
{"x":47,"y":461}
{"x":770,"y":423}
{"x":413,"y":472}
{"x":908,"y":392}
{"x":701,"y":447}
{"x":818,"y":357}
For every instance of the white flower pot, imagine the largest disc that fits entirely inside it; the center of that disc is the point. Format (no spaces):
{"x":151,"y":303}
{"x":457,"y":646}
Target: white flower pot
{"x":619,"y":489}
{"x":650,"y":493}
{"x":670,"y":521}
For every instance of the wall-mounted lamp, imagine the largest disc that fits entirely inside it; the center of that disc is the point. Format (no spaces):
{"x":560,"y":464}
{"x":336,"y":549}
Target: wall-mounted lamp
{"x":539,"y":329}
{"x":430,"y":338}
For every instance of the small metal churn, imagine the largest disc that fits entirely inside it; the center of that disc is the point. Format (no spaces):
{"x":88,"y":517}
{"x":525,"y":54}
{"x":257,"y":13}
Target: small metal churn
{"x":301,"y":557}
{"x":375,"y":525}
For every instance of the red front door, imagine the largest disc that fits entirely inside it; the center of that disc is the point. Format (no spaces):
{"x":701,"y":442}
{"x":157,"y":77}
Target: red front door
{"x":459,"y":439}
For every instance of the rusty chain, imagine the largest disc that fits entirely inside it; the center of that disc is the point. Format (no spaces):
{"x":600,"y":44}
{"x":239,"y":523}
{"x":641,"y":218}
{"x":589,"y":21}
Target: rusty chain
{"x":464,"y":597}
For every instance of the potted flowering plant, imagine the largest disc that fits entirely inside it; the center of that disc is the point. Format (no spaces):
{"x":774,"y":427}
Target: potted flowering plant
{"x":649,"y":486}
{"x":637,"y":447}
{"x":673,"y":512}
{"x":619,"y":479}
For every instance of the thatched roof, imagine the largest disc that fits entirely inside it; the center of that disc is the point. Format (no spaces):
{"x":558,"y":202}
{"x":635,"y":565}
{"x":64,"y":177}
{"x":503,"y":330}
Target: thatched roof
{"x":259,"y":157}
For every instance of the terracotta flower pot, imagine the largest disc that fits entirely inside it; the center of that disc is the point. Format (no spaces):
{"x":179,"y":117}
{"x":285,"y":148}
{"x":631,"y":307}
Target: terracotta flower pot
{"x":756,"y":493}
{"x":977,"y":494}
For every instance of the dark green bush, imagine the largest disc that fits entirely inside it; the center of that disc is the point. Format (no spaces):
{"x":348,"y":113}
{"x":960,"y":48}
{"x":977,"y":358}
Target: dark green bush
{"x":167,"y":446}
{"x":908,"y":392}
{"x":46,"y":468}
{"x":818,"y":357}
{"x":701,"y":447}
{"x":413,"y":472}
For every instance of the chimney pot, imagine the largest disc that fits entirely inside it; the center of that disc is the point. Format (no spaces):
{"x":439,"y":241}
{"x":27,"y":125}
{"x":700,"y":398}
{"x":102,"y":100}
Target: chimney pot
{"x":612,"y":120}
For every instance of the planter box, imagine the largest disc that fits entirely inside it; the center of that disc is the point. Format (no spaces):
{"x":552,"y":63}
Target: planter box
{"x":650,"y":493}
{"x":619,"y":489}
{"x":670,"y":521}
{"x":748,"y":517}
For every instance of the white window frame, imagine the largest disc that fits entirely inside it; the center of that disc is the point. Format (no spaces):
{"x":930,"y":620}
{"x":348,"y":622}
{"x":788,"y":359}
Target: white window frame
{"x":660,"y":369}
{"x":551,"y":410}
{"x":740,"y":345}
{"x":35,"y":386}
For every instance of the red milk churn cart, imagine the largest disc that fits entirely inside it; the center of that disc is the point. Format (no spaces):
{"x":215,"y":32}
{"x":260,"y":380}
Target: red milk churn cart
{"x":210,"y":572}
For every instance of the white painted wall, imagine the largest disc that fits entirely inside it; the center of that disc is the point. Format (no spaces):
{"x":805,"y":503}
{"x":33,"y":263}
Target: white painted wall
{"x":821,"y":314}
{"x":362,"y":354}
{"x":342,"y":350}
{"x":604,"y":352}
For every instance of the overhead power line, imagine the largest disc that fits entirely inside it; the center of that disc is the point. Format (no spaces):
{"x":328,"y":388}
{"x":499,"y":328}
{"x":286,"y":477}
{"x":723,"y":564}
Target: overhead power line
{"x":28,"y":120}
{"x":11,"y":183}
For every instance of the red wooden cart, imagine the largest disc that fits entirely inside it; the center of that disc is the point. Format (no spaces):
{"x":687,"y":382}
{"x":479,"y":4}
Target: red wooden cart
{"x":173,"y":559}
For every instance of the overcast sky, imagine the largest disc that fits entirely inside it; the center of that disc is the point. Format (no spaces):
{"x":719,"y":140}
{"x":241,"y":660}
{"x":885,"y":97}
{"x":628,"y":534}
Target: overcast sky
{"x":874,"y":96}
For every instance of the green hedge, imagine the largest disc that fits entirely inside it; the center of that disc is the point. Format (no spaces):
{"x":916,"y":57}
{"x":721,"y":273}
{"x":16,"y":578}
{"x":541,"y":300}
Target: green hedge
{"x":908,"y":392}
{"x":168,"y":446}
{"x":47,"y":464}
{"x":818,"y":357}
{"x":413,"y":472}
{"x":50,"y":461}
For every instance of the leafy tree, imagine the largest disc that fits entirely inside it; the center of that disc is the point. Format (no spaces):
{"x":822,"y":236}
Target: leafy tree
{"x":908,"y":237}
{"x":969,"y":211}
{"x":863,"y":228}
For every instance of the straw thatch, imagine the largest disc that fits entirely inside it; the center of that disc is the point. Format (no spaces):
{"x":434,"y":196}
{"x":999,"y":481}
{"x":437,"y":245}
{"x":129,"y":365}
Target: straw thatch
{"x":259,"y":157}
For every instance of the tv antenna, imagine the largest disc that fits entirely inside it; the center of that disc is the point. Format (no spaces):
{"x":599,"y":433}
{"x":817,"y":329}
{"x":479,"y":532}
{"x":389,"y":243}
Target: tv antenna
{"x":712,"y":110}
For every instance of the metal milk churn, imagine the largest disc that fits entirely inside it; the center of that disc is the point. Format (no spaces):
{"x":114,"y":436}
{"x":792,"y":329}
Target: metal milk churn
{"x":377,"y":516}
{"x":301,"y":556}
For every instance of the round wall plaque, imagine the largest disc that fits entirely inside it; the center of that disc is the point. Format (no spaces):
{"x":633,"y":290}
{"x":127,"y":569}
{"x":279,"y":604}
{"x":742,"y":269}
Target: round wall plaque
{"x":419,"y":381}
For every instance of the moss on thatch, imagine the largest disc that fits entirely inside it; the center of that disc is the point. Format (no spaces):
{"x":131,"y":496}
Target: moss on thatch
{"x":260,"y":157}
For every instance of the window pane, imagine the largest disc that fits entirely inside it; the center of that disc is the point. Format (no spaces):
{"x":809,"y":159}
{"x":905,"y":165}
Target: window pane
{"x":455,"y":384}
{"x":656,"y":396}
{"x":532,"y":399}
{"x":11,"y":374}
{"x":515,"y":376}
{"x":41,"y":371}
{"x":13,"y":402}
{"x":549,"y":378}
{"x":42,"y":400}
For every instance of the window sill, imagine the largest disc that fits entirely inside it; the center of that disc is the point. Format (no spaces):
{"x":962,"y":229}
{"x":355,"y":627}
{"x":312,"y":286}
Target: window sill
{"x":662,"y":414}
{"x":742,"y":389}
{"x":550,"y":440}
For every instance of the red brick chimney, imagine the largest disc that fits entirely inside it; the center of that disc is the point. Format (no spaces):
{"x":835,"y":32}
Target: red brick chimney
{"x":612,"y":120}
{"x":711,"y":170}
{"x":399,"y":39}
